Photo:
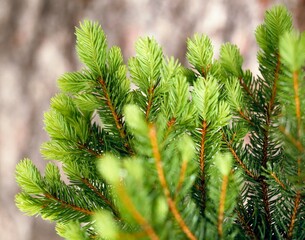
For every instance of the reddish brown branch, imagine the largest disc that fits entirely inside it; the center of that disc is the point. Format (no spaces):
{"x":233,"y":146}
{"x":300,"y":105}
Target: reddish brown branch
{"x":264,"y":186}
{"x":150,"y":100}
{"x":181,"y":177}
{"x":294,"y":214}
{"x":274,"y":87}
{"x":294,"y":141}
{"x":298,"y":115}
{"x":224,"y":185}
{"x":136,"y":214}
{"x":202,"y":163}
{"x":246,"y":226}
{"x":202,"y":148}
{"x":171,"y":122}
{"x":116,"y":117}
{"x":243,"y":166}
{"x":242,"y":114}
{"x":101,"y":195}
{"x":247,"y":89}
{"x":269,"y":110}
{"x":278,"y":180}
{"x":68,"y":205}
{"x":170,"y":201}
{"x":84,"y":147}
{"x":297,"y":101}
{"x":170,"y":125}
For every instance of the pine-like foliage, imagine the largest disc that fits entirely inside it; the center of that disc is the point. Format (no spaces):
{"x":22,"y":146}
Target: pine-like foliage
{"x":154,"y":150}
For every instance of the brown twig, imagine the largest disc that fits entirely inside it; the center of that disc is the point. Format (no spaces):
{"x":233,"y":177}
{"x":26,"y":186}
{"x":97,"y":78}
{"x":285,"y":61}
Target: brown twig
{"x":298,"y":115}
{"x":149,"y":104}
{"x":243,"y":166}
{"x":246,"y":226}
{"x":224,"y":185}
{"x":101,"y":195}
{"x":247,"y":89}
{"x":294,"y":214}
{"x":264,"y":161}
{"x":243,"y":115}
{"x":202,"y":162}
{"x":116,"y":117}
{"x":87,"y":149}
{"x":68,"y":205}
{"x":294,"y":141}
{"x":278,"y":180}
{"x":181,"y":177}
{"x":297,"y":101}
{"x":136,"y":214}
{"x":170,"y":201}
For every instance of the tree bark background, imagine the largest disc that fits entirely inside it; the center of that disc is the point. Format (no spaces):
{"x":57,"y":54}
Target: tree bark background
{"x":37,"y":46}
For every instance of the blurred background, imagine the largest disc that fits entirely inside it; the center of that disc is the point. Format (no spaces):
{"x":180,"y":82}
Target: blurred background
{"x":37,"y":45}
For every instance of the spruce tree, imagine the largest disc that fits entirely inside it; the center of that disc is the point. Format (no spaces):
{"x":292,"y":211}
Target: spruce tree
{"x":156,"y":150}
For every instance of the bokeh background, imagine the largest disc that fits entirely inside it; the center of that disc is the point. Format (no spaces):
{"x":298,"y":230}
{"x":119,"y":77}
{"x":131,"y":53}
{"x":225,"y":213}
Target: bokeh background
{"x":37,"y":46}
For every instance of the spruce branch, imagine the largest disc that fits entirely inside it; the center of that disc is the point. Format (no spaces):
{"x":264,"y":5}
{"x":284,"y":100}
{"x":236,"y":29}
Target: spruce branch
{"x":297,"y":101}
{"x":278,"y":180}
{"x":136,"y":214}
{"x":294,"y":215}
{"x":292,"y":139}
{"x":224,"y":185}
{"x":170,"y":201}
{"x":202,"y":165}
{"x":181,"y":177}
{"x":239,"y":161}
{"x":248,"y":91}
{"x":65,"y":204}
{"x":168,"y":159}
{"x":246,"y":226}
{"x":101,"y":195}
{"x":116,"y":118}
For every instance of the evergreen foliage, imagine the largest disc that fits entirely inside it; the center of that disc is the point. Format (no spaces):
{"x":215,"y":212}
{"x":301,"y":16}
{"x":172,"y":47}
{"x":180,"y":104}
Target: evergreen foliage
{"x":167,"y":158}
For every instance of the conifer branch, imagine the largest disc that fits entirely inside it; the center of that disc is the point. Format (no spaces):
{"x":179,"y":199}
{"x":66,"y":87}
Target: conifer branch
{"x":262,"y":180}
{"x":243,"y":115}
{"x":110,"y":211}
{"x":68,"y":205}
{"x":294,"y":214}
{"x":89,"y":150}
{"x":278,"y":180}
{"x":181,"y":177}
{"x":264,"y":187}
{"x":202,"y":162}
{"x":116,"y":117}
{"x":101,"y":195}
{"x":150,"y":99}
{"x":236,"y":157}
{"x":248,"y":91}
{"x":298,"y":115}
{"x":274,"y":87}
{"x":293,"y":140}
{"x":299,"y":169}
{"x":297,"y":101}
{"x":224,"y":185}
{"x":204,"y":72}
{"x":136,"y":235}
{"x":296,"y":204}
{"x":136,"y":214}
{"x":169,"y":125}
{"x":170,"y":201}
{"x":246,"y":226}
